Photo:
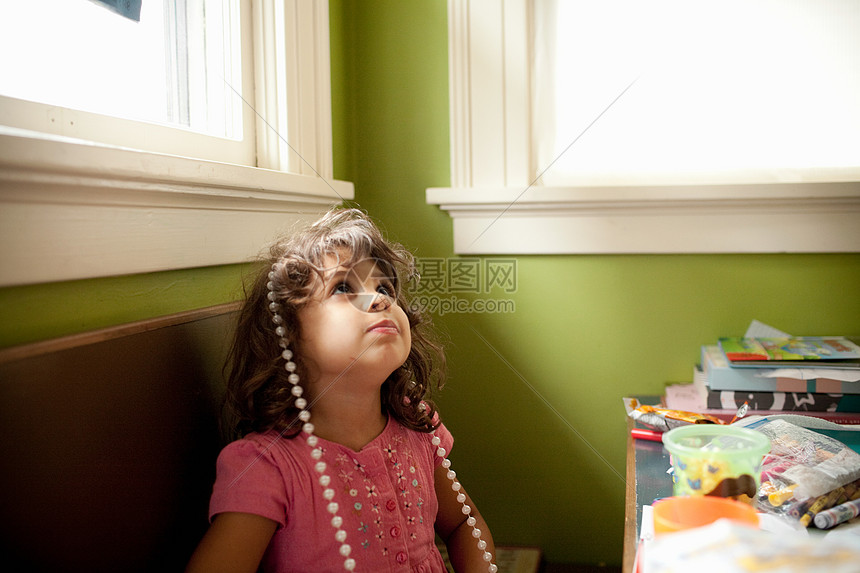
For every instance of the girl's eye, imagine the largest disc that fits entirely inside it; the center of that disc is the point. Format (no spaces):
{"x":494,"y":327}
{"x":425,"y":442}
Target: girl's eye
{"x":387,"y":289}
{"x":341,"y":288}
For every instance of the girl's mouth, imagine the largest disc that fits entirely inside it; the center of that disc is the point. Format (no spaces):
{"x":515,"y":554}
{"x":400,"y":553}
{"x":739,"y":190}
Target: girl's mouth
{"x":384,"y":327}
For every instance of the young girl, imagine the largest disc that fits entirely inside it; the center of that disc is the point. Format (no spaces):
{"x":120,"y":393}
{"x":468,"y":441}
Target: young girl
{"x":326,"y":332}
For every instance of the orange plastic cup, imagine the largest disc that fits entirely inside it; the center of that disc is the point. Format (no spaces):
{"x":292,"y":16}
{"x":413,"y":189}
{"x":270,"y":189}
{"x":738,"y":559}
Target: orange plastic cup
{"x":679,"y":513}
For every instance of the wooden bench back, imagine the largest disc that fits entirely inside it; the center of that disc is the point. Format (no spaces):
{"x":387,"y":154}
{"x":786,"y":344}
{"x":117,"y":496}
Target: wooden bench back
{"x":108,"y":443}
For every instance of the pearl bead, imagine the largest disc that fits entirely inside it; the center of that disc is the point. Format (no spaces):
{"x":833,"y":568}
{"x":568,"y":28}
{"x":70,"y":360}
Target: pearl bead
{"x":287,"y":354}
{"x":451,"y":474}
{"x":316,"y":453}
{"x":488,"y":556}
{"x":461,"y":498}
{"x":296,"y":391}
{"x":345,"y":550}
{"x":271,"y":296}
{"x":456,"y":486}
{"x":340,"y":535}
{"x":466,"y":510}
{"x":320,"y":467}
{"x":271,"y":274}
{"x":308,"y":428}
{"x":493,"y":568}
{"x":301,"y":403}
{"x":441,"y":452}
{"x":471,"y":521}
{"x":435,"y":441}
{"x":446,"y":463}
{"x":312,"y":441}
{"x":325,"y":480}
{"x":290,"y":366}
{"x":349,"y":564}
{"x":482,"y":544}
{"x":293,"y":378}
{"x":328,"y":494}
{"x":336,"y":521}
{"x":281,"y":331}
{"x":476,"y":533}
{"x":274,"y":307}
{"x":332,"y":507}
{"x":304,"y":415}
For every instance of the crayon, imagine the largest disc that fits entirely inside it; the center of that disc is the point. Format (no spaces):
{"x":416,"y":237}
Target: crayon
{"x":833,"y":517}
{"x":821,"y":503}
{"x":847,"y":490}
{"x":781,"y":495}
{"x":798,"y":508}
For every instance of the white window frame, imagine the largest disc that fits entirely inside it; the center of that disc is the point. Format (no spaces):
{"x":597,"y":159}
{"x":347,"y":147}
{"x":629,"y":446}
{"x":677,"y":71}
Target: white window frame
{"x":73,"y":209}
{"x":497,"y":209}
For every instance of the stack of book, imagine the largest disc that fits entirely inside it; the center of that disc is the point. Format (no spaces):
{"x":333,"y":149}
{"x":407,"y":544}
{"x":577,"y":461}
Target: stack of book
{"x":819,"y":376}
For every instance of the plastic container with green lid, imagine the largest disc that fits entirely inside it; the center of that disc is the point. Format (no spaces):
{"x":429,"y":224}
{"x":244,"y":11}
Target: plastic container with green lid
{"x":712,"y":459}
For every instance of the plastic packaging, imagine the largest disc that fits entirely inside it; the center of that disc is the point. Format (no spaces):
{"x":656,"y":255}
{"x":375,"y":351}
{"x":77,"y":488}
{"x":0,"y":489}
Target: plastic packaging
{"x":663,"y":419}
{"x":805,"y":472}
{"x":811,"y":463}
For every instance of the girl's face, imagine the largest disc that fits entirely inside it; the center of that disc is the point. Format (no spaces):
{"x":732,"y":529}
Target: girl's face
{"x":353,"y":326}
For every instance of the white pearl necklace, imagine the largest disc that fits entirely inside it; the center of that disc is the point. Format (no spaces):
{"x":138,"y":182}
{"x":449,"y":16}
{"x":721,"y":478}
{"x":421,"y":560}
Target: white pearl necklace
{"x":461,"y":497}
{"x":316,"y":452}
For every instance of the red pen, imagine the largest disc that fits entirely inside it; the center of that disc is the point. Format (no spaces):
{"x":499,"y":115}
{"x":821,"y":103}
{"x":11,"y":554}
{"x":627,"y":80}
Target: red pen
{"x":642,"y":434}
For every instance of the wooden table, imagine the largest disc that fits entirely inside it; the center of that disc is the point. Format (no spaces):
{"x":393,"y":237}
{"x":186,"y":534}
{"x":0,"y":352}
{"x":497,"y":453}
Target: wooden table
{"x":647,"y":480}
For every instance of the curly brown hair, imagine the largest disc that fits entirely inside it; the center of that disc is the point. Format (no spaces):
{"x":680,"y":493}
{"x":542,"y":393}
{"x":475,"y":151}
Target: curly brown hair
{"x":258,"y":394}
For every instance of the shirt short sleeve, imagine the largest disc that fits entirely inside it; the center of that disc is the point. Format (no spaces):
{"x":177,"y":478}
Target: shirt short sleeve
{"x":248,"y":481}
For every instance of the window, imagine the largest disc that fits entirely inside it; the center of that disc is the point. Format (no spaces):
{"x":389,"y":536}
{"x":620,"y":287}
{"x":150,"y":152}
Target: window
{"x":175,"y":79}
{"x":99,"y":195}
{"x":740,"y":90}
{"x":532,"y":174}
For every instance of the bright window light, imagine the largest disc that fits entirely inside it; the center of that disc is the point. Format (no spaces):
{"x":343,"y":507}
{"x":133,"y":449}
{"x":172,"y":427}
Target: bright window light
{"x":727,"y":88}
{"x":178,"y":66}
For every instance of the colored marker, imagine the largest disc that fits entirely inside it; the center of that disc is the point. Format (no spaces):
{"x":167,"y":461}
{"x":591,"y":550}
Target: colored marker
{"x":642,"y":434}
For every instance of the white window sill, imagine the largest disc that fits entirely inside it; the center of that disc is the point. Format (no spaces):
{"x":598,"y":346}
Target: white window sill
{"x":751,"y":218}
{"x":71,"y":209}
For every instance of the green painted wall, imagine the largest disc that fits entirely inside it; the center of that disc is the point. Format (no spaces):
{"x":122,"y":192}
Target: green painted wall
{"x":37,"y":312}
{"x":534,"y":396}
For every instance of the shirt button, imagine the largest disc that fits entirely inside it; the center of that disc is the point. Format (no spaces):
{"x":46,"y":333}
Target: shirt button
{"x":394,"y":531}
{"x":401,"y":558}
{"x":390,"y":505}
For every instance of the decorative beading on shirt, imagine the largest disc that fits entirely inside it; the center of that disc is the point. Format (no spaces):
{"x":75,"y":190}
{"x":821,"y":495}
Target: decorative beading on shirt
{"x":403,"y":484}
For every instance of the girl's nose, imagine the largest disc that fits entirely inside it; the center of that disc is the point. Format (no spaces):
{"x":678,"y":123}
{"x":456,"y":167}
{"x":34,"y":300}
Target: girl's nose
{"x":380,"y":303}
{"x":371,"y":302}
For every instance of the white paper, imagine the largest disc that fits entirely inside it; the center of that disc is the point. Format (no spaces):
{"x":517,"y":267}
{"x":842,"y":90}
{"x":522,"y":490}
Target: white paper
{"x":841,"y":374}
{"x":727,"y":547}
{"x":646,"y":528}
{"x":758,"y":329}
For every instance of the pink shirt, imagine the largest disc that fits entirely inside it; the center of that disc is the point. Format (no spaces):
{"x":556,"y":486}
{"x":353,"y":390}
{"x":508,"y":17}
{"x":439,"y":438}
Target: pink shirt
{"x":385,"y":494}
